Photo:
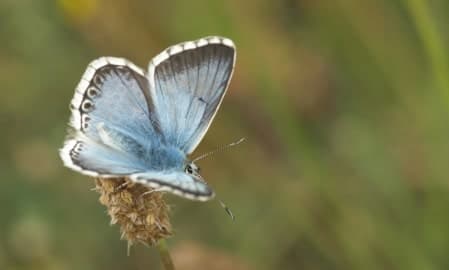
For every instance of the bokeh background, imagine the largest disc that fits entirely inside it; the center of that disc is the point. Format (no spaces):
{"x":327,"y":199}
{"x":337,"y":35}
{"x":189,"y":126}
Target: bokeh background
{"x":344,"y":105}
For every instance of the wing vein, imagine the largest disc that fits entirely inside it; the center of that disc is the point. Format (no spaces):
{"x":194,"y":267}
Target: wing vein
{"x":131,"y":94}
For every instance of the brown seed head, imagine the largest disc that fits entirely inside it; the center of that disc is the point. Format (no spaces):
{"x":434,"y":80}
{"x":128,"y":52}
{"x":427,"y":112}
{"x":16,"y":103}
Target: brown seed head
{"x":141,"y":212}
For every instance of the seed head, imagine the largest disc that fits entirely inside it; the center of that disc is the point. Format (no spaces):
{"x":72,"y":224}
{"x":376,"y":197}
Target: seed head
{"x":141,"y":212}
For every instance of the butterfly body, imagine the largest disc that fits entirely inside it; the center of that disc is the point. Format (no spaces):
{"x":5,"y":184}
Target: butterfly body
{"x":143,"y":125}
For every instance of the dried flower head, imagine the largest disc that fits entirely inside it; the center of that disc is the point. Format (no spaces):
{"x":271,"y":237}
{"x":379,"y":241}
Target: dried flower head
{"x":140,"y":211}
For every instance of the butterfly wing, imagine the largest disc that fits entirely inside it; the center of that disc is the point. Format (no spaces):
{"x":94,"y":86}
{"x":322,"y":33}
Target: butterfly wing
{"x":112,"y":119}
{"x":178,"y":183}
{"x":187,"y":84}
{"x":94,"y":158}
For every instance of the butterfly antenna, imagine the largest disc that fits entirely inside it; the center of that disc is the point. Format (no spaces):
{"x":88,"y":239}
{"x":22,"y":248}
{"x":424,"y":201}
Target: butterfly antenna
{"x":219,"y":149}
{"x":228,"y":211}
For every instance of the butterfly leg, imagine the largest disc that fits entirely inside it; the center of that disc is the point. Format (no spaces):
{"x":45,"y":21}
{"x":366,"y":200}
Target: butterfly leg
{"x":124,"y":185}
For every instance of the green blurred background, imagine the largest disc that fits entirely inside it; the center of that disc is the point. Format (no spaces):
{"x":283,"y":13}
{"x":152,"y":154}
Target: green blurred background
{"x":344,"y":103}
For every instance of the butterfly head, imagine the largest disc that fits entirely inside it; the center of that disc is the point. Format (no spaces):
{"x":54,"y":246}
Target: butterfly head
{"x":192,"y":169}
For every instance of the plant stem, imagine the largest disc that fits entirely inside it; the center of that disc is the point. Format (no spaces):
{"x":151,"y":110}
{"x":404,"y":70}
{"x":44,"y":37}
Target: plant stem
{"x":432,"y":41}
{"x":165,"y":255}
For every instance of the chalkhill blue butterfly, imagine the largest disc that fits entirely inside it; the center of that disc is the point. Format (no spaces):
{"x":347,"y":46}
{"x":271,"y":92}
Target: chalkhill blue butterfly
{"x":126,"y":122}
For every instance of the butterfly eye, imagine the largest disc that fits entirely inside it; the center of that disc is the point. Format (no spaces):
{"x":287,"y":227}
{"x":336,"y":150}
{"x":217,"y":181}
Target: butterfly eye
{"x":189,"y":169}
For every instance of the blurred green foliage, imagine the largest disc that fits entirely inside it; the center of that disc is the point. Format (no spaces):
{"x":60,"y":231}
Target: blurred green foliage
{"x":345,"y":105}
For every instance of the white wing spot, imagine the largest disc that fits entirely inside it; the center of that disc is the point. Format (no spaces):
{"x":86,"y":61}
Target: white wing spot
{"x":98,"y":79}
{"x":93,"y":92}
{"x":228,"y":42}
{"x":175,"y":49}
{"x":201,"y":42}
{"x":213,"y":40}
{"x":189,"y":45}
{"x":87,"y":106}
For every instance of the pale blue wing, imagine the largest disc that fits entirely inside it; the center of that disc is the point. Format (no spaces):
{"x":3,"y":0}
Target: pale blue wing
{"x":96,"y":159}
{"x":176,"y":182}
{"x":115,"y":93}
{"x":187,"y":84}
{"x":113,"y":120}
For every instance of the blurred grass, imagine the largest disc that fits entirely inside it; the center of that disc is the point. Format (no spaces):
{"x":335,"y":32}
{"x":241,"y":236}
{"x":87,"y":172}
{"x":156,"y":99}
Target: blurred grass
{"x":344,"y":104}
{"x":434,"y":47}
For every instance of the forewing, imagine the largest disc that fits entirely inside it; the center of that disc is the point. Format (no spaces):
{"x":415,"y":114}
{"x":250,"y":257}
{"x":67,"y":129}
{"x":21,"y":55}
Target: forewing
{"x":187,"y":84}
{"x":178,"y":183}
{"x":113,"y":120}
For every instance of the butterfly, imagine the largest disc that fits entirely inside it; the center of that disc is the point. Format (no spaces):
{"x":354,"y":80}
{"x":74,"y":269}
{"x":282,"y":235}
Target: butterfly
{"x":126,"y":122}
